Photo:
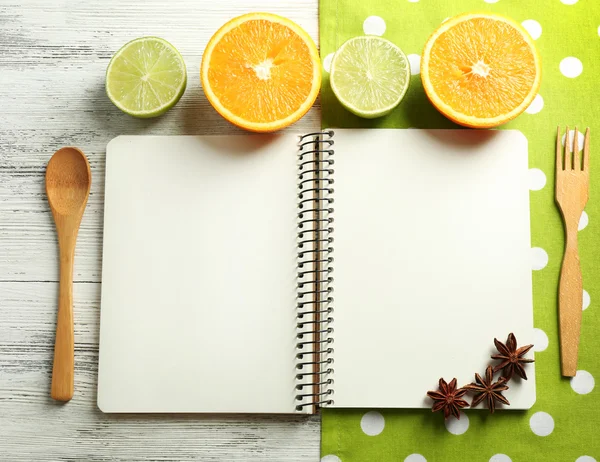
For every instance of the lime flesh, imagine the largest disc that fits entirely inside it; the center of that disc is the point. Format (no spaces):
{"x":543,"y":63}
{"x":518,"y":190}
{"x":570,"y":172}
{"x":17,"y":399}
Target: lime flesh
{"x":369,"y":76}
{"x":146,"y":77}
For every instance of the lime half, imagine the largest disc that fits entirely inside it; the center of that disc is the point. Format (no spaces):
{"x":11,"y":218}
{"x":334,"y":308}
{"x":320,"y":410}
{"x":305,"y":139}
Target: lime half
{"x":369,"y":76}
{"x":146,"y":77}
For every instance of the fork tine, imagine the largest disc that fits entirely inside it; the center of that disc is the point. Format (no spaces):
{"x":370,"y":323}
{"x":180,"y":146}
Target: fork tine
{"x":576,"y":160}
{"x":559,"y":152}
{"x":586,"y":151}
{"x":568,"y":152}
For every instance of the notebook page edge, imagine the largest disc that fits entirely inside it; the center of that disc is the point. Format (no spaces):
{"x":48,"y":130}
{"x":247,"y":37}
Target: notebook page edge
{"x":526,"y":397}
{"x":104,"y":400}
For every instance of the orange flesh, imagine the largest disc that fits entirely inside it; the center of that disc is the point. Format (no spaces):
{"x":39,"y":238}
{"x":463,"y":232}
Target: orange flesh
{"x":261,"y":71}
{"x":482,"y":67}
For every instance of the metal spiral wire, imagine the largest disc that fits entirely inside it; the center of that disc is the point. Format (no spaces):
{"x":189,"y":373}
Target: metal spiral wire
{"x":314,"y":333}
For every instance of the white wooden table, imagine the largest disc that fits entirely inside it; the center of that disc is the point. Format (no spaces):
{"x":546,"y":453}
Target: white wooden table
{"x":53,"y":56}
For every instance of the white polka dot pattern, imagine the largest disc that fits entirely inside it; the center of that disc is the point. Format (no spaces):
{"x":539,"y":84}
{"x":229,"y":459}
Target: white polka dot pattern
{"x":540,"y":340}
{"x":583,"y":382}
{"x":541,"y":423}
{"x":586,"y":300}
{"x":415,"y":458}
{"x":330,"y":458}
{"x":372,"y":423}
{"x":327,"y":62}
{"x":536,"y":105}
{"x":457,"y":426}
{"x":580,"y":139}
{"x":500,"y":458}
{"x":583,"y":221}
{"x":537,"y":179}
{"x":571,"y":67}
{"x":374,"y":25}
{"x":415,"y":64}
{"x":533,"y":27}
{"x":539,"y":258}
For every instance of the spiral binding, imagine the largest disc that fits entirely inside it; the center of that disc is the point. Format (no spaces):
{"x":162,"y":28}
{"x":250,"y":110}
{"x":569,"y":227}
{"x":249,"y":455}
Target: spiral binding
{"x":314,"y":348}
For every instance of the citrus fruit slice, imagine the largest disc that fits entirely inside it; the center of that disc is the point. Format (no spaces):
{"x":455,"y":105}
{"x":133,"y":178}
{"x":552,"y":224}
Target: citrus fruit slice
{"x":146,"y":77}
{"x":261,"y":72}
{"x":369,"y":76}
{"x":480,"y":70}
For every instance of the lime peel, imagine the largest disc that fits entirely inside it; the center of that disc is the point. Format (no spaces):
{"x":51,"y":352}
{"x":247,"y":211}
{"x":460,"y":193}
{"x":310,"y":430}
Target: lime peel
{"x":146,"y":77}
{"x":369,"y":76}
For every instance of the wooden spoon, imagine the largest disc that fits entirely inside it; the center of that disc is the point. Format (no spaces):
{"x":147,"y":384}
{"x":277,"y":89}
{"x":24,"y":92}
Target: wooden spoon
{"x":68,"y":181}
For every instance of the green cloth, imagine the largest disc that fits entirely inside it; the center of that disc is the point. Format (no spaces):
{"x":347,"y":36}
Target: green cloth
{"x":569,"y":28}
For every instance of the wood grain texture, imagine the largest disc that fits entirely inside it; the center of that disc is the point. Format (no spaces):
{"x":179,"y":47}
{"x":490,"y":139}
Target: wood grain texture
{"x":68,"y":182}
{"x":572,"y":191}
{"x":53,"y":56}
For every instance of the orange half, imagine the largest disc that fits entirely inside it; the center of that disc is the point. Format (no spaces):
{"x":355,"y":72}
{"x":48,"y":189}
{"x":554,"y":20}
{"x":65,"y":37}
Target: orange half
{"x":480,"y":70}
{"x":261,"y":72}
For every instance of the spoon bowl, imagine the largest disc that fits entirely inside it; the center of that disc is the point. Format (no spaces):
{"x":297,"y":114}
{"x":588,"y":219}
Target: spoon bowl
{"x":68,"y":182}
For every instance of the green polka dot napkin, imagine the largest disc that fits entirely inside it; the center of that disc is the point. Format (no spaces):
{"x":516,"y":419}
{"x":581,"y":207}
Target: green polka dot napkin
{"x":564,"y":424}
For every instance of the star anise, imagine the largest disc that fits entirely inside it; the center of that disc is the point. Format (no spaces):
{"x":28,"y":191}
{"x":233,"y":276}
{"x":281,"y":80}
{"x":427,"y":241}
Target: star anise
{"x":448,"y":398}
{"x":488,"y":390}
{"x":511,"y":357}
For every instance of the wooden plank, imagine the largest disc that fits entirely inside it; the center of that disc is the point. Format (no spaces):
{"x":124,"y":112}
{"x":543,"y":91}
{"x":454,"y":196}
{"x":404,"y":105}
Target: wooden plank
{"x":28,"y":251}
{"x":53,"y":56}
{"x":34,"y":427}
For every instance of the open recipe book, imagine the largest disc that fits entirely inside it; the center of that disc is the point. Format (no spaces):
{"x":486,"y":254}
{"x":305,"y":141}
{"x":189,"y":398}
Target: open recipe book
{"x":285,"y":273}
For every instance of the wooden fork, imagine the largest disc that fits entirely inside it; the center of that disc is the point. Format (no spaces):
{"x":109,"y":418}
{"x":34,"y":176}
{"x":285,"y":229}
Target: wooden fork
{"x":572,"y":184}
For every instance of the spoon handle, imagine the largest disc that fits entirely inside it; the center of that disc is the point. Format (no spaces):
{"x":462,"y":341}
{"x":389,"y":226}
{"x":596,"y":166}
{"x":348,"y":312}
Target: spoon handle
{"x":64,"y":346}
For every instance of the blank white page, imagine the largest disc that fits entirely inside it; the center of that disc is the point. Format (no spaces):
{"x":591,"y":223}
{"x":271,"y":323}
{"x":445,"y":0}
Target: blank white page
{"x":198,"y":284}
{"x":432,"y":261}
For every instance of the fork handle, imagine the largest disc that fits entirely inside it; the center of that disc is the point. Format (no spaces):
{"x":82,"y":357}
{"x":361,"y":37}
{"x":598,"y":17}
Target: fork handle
{"x":570,"y":299}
